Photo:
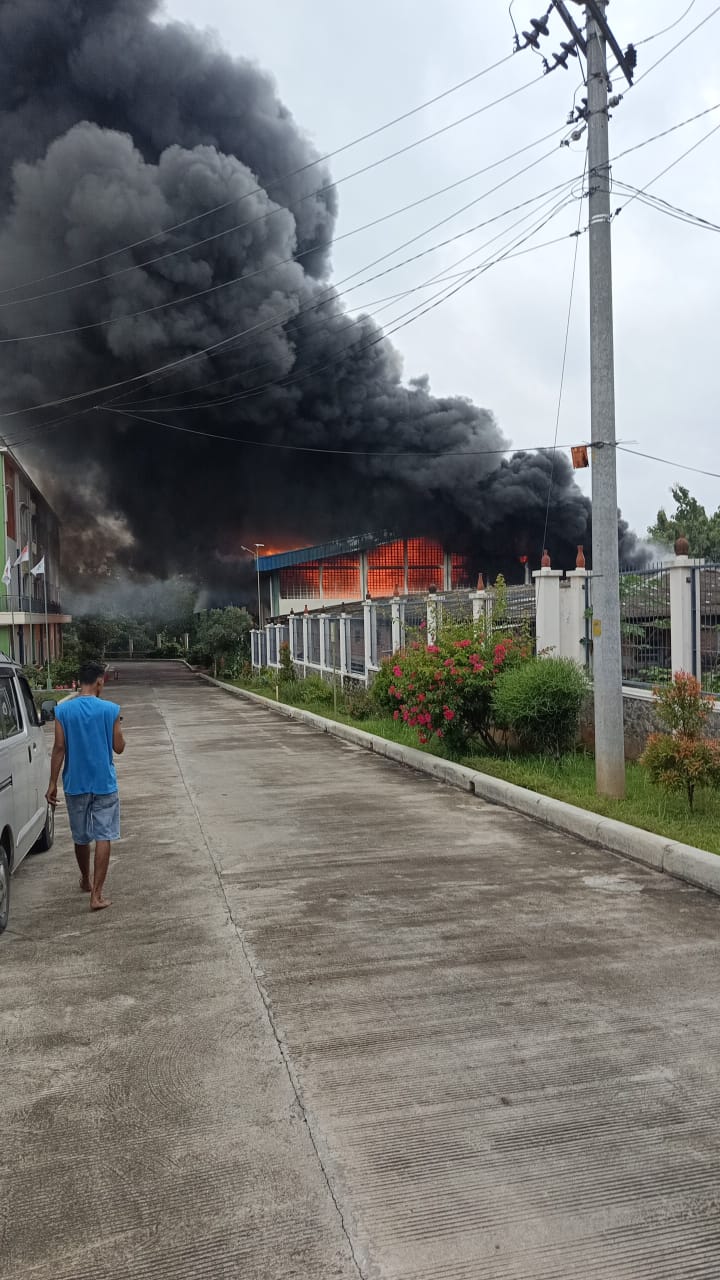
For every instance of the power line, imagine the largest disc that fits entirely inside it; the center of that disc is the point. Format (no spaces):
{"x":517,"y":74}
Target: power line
{"x":334,"y":293}
{"x":295,"y":257}
{"x":421,"y":309}
{"x":665,"y":30}
{"x":345,"y":453}
{"x":668,"y":54}
{"x":226,"y":342}
{"x":683,"y":466}
{"x":564,"y":362}
{"x":641,"y":191}
{"x":671,"y":210}
{"x":258,"y":271}
{"x":329,"y":186}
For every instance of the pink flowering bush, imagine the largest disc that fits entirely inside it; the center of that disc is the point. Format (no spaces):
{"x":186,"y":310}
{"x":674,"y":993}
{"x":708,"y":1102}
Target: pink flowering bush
{"x":444,"y":690}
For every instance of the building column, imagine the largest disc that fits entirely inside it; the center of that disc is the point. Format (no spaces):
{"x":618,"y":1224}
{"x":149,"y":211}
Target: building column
{"x":547,"y":609}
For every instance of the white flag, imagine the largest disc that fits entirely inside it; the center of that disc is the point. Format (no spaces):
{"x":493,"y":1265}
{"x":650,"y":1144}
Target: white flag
{"x":39,"y":568}
{"x":7,"y":575}
{"x":24,"y":556}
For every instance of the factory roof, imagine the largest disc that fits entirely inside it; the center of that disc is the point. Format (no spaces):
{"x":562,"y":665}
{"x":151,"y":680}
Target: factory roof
{"x":324,"y":551}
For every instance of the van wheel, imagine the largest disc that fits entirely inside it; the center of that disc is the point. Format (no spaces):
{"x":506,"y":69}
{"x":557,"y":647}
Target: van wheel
{"x":4,"y":889}
{"x":47,"y":835}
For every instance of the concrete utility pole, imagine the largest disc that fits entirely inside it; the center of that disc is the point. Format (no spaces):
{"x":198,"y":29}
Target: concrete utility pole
{"x":607,"y":658}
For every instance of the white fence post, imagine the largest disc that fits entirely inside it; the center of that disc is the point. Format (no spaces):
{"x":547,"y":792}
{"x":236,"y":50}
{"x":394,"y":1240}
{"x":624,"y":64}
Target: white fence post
{"x":324,"y":664}
{"x":397,"y":614}
{"x":344,"y":647}
{"x":680,"y":572}
{"x":306,"y":638}
{"x":370,"y":619}
{"x":547,"y":606}
{"x":291,"y":635}
{"x":433,"y":607}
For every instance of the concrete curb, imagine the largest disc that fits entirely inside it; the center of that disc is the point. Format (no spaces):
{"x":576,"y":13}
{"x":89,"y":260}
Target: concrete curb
{"x":682,"y":861}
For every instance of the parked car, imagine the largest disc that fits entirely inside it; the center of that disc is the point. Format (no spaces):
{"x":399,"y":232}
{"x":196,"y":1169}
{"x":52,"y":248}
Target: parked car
{"x":27,"y":823}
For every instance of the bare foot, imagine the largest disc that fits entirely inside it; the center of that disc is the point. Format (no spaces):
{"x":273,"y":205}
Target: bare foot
{"x":85,"y":886}
{"x":99,"y":904}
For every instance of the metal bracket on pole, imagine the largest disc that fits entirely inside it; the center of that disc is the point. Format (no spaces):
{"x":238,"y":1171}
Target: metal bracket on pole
{"x":601,"y":20}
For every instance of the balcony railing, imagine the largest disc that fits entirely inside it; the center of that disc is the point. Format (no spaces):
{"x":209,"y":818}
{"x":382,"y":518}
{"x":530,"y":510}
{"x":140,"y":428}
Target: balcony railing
{"x":10,"y":603}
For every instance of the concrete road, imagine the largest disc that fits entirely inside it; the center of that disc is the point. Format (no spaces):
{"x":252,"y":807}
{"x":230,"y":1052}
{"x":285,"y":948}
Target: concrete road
{"x":342,"y":1021}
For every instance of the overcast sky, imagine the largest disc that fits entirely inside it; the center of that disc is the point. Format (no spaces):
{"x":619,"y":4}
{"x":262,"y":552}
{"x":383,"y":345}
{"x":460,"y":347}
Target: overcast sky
{"x":344,"y":69}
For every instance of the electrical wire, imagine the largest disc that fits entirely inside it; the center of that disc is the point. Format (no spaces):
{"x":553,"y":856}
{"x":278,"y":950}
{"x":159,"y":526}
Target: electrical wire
{"x":638,"y":79}
{"x":641,"y":191}
{"x":668,"y":462}
{"x":334,"y":292}
{"x":329,"y":186}
{"x":226,"y":342}
{"x":563,"y":366}
{"x":258,"y":271}
{"x":421,"y":309}
{"x":665,"y":30}
{"x":345,"y":453}
{"x":664,"y":206}
{"x":295,"y":257}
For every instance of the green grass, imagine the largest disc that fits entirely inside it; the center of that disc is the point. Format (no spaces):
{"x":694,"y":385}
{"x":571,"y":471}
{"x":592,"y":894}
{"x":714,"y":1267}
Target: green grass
{"x":572,"y":778}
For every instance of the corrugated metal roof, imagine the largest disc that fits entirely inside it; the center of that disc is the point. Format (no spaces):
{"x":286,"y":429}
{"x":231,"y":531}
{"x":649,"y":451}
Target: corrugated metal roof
{"x":324,"y":551}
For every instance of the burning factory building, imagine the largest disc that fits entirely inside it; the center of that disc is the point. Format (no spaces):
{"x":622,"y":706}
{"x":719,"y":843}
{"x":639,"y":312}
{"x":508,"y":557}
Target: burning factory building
{"x":350,"y":569}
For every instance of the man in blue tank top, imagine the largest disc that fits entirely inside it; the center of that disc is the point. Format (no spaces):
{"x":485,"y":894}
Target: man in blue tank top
{"x":87,"y":732}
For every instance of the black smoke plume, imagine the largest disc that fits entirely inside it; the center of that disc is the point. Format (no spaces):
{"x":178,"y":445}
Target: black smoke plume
{"x":115,"y":127}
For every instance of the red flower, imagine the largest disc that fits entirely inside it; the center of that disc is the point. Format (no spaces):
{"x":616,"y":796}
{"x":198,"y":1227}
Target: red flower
{"x":432,"y":648}
{"x":396,"y":715}
{"x":461,"y":644}
{"x":421,"y":697}
{"x":397,"y":671}
{"x":423,"y":738}
{"x":439,"y":734}
{"x":448,"y":714}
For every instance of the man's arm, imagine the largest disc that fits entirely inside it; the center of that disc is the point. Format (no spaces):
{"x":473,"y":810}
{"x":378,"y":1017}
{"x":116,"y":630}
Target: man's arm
{"x":57,"y":760}
{"x":118,"y":739}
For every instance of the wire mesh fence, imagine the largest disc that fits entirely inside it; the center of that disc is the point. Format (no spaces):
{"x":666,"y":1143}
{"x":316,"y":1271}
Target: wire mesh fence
{"x":384,"y":644}
{"x":356,"y":645}
{"x":313,"y":655}
{"x":298,"y":639}
{"x":645,"y":626}
{"x":706,"y":614}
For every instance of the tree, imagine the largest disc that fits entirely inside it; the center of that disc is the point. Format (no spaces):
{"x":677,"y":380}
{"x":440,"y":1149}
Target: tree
{"x":224,"y":635}
{"x":691,"y":519}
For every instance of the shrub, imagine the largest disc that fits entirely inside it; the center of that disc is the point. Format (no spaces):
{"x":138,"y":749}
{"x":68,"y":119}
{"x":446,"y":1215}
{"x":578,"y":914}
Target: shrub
{"x":444,"y":690}
{"x":681,"y":763}
{"x":682,"y":707}
{"x":382,"y":699}
{"x":683,"y":759}
{"x":287,"y":672}
{"x":314,"y":689}
{"x":358,"y":702}
{"x":539,"y":702}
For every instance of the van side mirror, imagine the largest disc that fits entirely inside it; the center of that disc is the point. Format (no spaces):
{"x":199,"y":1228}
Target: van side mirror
{"x":47,"y":712}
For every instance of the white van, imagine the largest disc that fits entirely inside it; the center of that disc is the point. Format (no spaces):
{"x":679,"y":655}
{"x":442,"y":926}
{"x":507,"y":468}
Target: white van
{"x":26,"y":821}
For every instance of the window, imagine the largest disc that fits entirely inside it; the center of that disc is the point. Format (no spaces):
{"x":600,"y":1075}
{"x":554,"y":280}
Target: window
{"x":9,"y":714}
{"x":31,"y":714}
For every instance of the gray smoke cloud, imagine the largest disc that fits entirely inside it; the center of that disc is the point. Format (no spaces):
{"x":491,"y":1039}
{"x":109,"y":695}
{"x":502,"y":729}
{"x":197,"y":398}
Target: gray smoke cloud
{"x":114,"y":128}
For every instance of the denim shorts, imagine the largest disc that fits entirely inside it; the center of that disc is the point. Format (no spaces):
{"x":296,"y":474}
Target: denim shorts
{"x":94,"y":817}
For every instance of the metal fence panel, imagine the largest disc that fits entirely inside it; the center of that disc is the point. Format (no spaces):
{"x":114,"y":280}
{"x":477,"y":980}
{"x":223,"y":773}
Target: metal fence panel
{"x":383,"y":644}
{"x":298,"y":645}
{"x":357,"y":645}
{"x":314,"y":641}
{"x":645,"y":626}
{"x":706,"y":613}
{"x":272,"y":647}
